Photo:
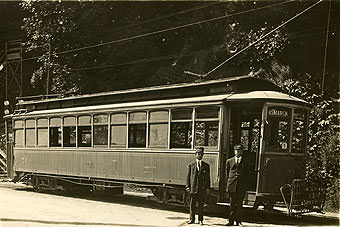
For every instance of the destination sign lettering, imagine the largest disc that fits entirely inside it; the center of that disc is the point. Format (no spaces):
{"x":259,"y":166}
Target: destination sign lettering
{"x":278,"y":113}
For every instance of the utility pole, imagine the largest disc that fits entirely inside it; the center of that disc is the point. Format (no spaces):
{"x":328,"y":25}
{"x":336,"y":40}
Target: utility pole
{"x":13,"y":64}
{"x":48,"y":71}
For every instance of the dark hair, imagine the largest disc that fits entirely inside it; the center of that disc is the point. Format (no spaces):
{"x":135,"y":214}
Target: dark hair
{"x":199,"y":149}
{"x":237,"y":146}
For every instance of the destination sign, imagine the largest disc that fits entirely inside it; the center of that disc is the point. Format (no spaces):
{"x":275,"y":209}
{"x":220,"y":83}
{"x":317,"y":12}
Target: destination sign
{"x":275,"y":112}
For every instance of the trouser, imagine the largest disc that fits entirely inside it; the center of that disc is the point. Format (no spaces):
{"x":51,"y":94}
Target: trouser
{"x":236,"y":202}
{"x":199,"y":199}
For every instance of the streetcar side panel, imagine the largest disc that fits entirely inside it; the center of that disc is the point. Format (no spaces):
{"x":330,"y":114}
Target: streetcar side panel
{"x":134,"y":166}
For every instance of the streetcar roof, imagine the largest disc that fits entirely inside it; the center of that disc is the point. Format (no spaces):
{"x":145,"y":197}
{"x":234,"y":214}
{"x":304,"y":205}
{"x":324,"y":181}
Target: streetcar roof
{"x":224,"y":86}
{"x":202,"y":100}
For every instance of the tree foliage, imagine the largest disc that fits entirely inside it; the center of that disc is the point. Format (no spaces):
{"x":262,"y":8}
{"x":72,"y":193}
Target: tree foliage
{"x":155,"y":59}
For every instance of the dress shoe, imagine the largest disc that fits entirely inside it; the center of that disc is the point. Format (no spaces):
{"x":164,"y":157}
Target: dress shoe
{"x":230,"y":223}
{"x":191,"y":222}
{"x":201,"y":222}
{"x":238,"y":223}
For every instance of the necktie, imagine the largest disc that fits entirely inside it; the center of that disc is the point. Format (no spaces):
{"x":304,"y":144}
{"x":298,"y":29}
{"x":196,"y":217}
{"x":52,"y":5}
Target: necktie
{"x":199,"y":166}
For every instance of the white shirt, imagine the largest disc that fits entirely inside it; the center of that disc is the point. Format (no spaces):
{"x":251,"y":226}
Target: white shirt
{"x":238,"y":160}
{"x":198,"y":164}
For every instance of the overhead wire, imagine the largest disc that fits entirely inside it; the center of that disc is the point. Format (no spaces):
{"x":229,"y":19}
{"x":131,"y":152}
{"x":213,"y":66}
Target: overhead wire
{"x":163,"y":30}
{"x":168,"y":57}
{"x":326,"y":48}
{"x":261,"y":38}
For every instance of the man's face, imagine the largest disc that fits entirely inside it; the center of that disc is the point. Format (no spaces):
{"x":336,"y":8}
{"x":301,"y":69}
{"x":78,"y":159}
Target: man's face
{"x":199,"y":155}
{"x":238,"y":152}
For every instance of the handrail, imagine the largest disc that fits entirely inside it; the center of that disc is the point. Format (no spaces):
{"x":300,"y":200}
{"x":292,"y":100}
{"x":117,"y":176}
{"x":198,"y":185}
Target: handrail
{"x":289,"y":206}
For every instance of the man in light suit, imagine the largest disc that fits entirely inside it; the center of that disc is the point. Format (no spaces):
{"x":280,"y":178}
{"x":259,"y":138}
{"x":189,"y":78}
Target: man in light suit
{"x":198,"y":181}
{"x":236,"y":172}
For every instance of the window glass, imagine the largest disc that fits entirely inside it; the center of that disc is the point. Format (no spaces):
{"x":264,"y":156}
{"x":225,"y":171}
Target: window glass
{"x":137,"y":129}
{"x":69,"y":136}
{"x":30,"y":123}
{"x":158,"y":129}
{"x":42,"y":137}
{"x":118,"y":136}
{"x":55,"y":122}
{"x":181,"y":114}
{"x":207,"y":112}
{"x":158,"y":135}
{"x":100,"y":133}
{"x":100,"y":119}
{"x":206,"y":133}
{"x":157,"y":116}
{"x":118,"y":130}
{"x":299,"y":131}
{"x":118,"y":118}
{"x":181,"y":135}
{"x":137,"y":135}
{"x":19,"y":137}
{"x":137,"y":117}
{"x":18,"y":124}
{"x":69,"y":121}
{"x":55,"y":137}
{"x":206,"y":126}
{"x":42,"y":122}
{"x":84,"y":120}
{"x":30,"y":137}
{"x":279,"y":129}
{"x":84,"y":136}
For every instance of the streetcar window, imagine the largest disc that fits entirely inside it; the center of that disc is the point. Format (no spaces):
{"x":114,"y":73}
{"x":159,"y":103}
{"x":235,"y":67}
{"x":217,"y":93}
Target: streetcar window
{"x":30,"y":133}
{"x":158,"y":129}
{"x":181,"y":128}
{"x":118,"y":130}
{"x":55,"y":132}
{"x":69,"y":132}
{"x":100,"y":129}
{"x":279,"y":129}
{"x":299,"y":131}
{"x":206,"y":126}
{"x":42,"y":130}
{"x":84,"y":131}
{"x":137,"y":129}
{"x":19,"y":133}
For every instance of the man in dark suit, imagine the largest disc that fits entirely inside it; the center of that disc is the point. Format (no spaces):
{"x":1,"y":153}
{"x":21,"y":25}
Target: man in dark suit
{"x":236,"y":184}
{"x":198,"y":181}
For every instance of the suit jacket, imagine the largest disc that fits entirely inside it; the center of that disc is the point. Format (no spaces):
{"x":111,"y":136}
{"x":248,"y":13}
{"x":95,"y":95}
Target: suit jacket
{"x":237,"y":175}
{"x":198,"y":181}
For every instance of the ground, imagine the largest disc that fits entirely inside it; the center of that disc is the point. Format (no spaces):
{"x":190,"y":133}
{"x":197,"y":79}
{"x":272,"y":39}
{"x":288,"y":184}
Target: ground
{"x":21,"y":206}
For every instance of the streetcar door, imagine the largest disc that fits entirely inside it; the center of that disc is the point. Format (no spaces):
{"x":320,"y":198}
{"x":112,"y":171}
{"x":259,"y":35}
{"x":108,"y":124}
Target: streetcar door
{"x":282,"y":157}
{"x":245,"y":127}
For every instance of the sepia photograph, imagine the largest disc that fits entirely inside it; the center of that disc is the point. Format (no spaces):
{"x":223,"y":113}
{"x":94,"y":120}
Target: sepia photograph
{"x":169,"y":113}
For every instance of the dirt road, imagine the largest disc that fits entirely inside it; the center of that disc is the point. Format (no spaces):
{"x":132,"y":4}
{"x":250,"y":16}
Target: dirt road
{"x":20,"y":206}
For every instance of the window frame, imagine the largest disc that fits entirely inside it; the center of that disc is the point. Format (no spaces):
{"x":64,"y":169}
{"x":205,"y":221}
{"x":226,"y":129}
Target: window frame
{"x":136,"y":122}
{"x":61,"y":130}
{"x":84,"y":125}
{"x":22,"y":128}
{"x":107,"y":124}
{"x":111,"y":124}
{"x":191,"y":121}
{"x":158,"y":122}
{"x":42,"y":127}
{"x":216,"y":120}
{"x":30,"y":128}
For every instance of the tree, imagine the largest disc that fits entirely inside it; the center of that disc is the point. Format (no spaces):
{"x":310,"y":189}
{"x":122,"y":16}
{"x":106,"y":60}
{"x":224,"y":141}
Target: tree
{"x":59,"y":26}
{"x":46,"y":27}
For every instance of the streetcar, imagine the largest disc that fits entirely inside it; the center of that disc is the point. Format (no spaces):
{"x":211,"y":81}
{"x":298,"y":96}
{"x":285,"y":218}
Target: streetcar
{"x":147,"y":136}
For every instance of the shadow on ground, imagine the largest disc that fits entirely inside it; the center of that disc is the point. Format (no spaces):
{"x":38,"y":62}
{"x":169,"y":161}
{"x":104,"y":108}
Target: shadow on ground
{"x":260,"y":217}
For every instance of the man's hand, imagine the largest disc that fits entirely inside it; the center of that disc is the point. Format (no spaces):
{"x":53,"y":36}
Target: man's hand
{"x":187,"y":189}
